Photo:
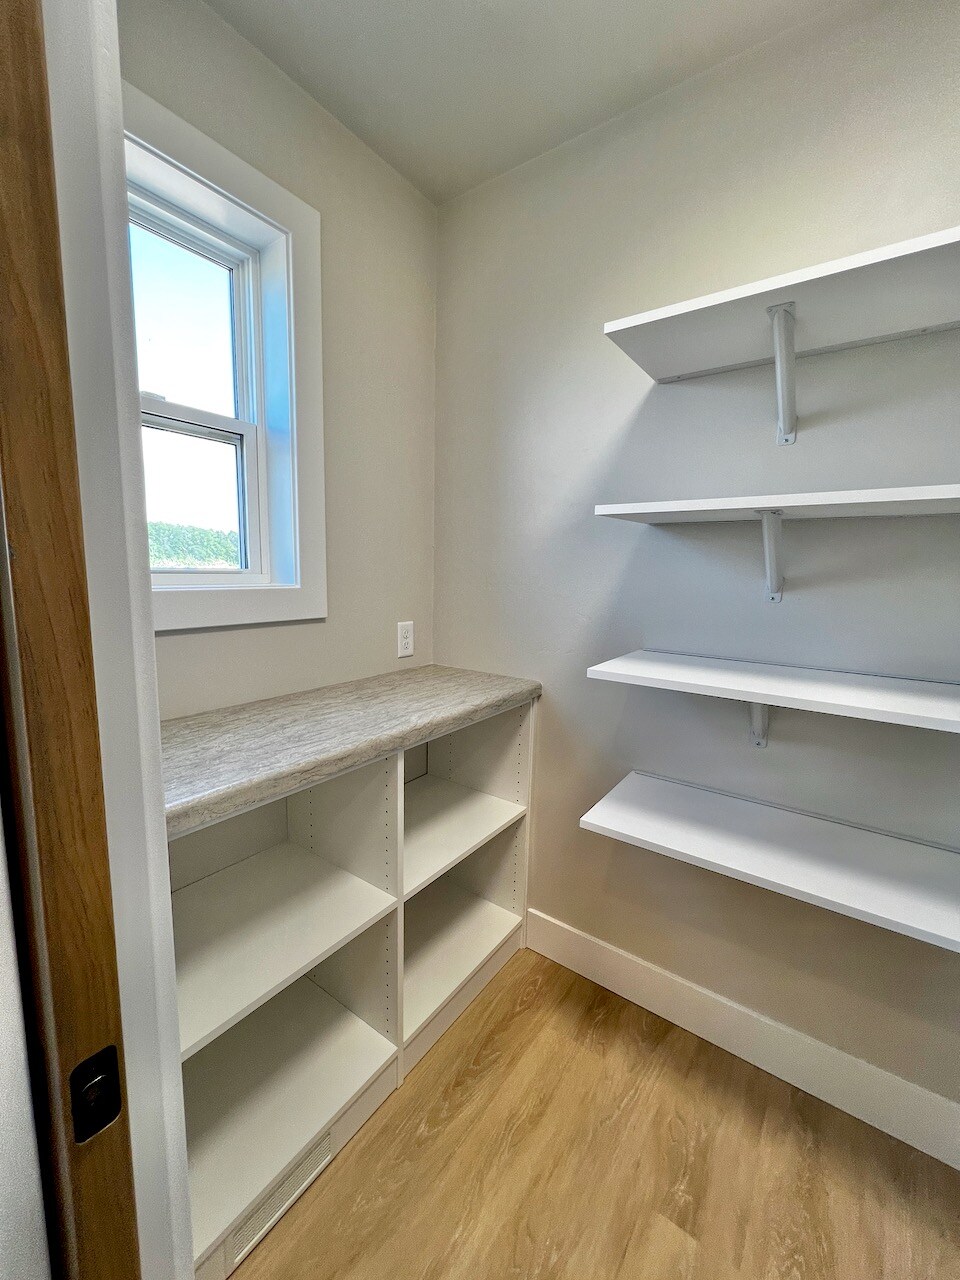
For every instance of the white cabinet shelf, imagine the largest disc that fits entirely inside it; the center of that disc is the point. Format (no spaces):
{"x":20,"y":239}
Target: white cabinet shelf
{"x":248,"y":931}
{"x":263,"y":1092}
{"x":923,"y":704}
{"x":917,"y":500}
{"x":900,"y":885}
{"x":449,"y":933}
{"x":444,"y":823}
{"x":907,"y":288}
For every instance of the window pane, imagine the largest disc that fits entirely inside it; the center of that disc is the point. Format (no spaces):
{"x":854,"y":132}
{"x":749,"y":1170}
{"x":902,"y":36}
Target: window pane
{"x":183,"y":307}
{"x":193,"y":500}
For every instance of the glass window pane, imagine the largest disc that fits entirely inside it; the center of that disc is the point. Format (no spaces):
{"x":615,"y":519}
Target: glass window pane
{"x":193,"y":500}
{"x":183,"y":308}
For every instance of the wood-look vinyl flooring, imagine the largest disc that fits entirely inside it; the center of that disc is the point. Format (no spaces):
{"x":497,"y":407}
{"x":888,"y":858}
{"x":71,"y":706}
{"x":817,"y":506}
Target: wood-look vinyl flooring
{"x":559,"y":1132}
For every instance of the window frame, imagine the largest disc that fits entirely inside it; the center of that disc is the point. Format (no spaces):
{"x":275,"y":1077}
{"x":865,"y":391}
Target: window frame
{"x":238,"y":217}
{"x":164,"y":415}
{"x":242,"y":261}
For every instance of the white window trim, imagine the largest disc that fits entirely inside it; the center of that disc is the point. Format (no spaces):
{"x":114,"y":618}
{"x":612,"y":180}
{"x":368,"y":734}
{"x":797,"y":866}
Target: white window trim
{"x":291,"y":398}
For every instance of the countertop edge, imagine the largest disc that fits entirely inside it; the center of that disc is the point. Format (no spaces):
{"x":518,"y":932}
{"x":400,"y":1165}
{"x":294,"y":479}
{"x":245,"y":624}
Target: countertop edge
{"x":186,"y":816}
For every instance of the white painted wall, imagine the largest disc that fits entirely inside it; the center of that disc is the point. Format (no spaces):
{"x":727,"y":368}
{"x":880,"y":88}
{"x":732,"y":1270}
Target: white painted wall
{"x":379,"y":286}
{"x":817,"y":145}
{"x":23,"y":1230}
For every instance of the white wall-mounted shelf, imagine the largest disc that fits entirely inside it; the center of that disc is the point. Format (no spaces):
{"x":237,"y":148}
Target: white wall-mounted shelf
{"x":898,"y":884}
{"x":770,"y":510}
{"x":449,"y":933}
{"x":924,"y":704}
{"x":916,"y":500}
{"x":246,"y":932}
{"x":263,"y":1092}
{"x":902,"y":289}
{"x":444,"y":823}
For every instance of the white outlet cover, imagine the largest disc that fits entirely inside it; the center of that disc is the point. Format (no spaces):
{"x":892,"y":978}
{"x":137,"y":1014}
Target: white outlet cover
{"x":404,"y":639}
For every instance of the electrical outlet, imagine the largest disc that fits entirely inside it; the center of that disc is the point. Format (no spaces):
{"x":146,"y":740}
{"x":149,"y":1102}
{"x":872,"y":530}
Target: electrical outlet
{"x":404,"y":639}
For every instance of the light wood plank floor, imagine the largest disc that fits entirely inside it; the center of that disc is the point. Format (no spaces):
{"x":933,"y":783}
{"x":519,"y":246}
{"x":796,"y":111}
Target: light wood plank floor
{"x":559,"y":1132}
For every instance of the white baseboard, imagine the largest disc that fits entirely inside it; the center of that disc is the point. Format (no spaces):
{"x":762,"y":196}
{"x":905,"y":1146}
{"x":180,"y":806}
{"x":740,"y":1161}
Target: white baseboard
{"x":915,"y":1115}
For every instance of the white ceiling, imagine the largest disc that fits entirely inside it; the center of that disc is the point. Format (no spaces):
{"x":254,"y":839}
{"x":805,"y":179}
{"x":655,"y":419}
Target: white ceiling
{"x":452,"y":92}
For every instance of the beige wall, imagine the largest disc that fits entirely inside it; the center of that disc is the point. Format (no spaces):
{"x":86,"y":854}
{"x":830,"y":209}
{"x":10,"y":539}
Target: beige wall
{"x":379,"y":288}
{"x":818,"y":145}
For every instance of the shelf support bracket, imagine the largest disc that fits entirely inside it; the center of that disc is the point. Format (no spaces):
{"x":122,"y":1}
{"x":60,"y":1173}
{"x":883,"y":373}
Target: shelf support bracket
{"x":771,"y":526}
{"x":759,"y":723}
{"x":785,"y":362}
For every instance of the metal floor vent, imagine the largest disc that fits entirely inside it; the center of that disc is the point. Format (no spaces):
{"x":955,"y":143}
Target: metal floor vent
{"x":262,"y":1217}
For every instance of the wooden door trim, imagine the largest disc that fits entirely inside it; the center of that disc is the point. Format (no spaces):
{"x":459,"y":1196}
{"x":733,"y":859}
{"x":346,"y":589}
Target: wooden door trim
{"x":52,"y":776}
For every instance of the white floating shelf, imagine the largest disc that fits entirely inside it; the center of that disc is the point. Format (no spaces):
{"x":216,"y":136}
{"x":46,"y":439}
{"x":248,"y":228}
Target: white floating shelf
{"x":907,"y":288}
{"x":259,"y":1095}
{"x":245,"y":933}
{"x":898,"y":884}
{"x":924,"y":704}
{"x":448,"y":934}
{"x":444,"y":823}
{"x":918,"y":500}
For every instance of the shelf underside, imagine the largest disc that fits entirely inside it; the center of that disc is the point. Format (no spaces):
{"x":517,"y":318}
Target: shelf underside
{"x":245,"y":933}
{"x":261,"y":1093}
{"x":923,"y":704}
{"x":444,"y":823}
{"x":917,"y":500}
{"x":909,"y":288}
{"x":448,"y":934}
{"x":900,"y":885}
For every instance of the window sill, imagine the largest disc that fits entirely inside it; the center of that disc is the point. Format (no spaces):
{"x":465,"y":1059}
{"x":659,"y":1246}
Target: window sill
{"x":204,"y":608}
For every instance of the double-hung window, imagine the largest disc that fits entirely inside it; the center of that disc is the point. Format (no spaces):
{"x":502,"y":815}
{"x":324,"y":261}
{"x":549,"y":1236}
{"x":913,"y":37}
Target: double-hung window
{"x":199,"y":357}
{"x":234,"y":496}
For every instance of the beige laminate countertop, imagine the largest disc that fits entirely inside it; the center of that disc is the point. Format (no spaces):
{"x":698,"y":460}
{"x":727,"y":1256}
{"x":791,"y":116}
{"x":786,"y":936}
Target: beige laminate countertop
{"x":221,"y":763}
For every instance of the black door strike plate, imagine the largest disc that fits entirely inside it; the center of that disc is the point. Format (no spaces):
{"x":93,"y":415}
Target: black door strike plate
{"x":95,"y":1098}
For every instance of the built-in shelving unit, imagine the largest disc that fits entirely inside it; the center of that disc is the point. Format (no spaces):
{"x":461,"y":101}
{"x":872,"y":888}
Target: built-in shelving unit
{"x":924,"y":704}
{"x":918,"y":500}
{"x":907,"y":288}
{"x":444,"y":823}
{"x":349,"y":869}
{"x":898,"y":884}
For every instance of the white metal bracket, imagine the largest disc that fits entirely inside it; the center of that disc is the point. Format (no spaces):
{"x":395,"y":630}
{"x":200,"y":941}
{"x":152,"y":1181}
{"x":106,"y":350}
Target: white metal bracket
{"x":783,"y":316}
{"x":759,"y":723}
{"x":771,"y":525}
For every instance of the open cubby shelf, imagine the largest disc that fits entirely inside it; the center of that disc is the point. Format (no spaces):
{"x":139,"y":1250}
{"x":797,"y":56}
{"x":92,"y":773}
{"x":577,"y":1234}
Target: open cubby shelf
{"x":245,"y":933}
{"x":261,"y":1094}
{"x":449,"y":933}
{"x":444,"y":823}
{"x":898,"y":884}
{"x":306,"y":923}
